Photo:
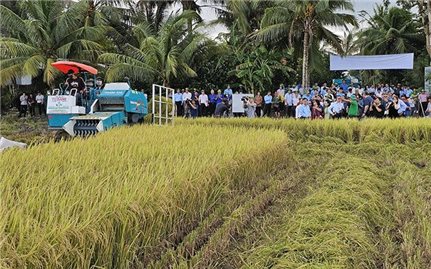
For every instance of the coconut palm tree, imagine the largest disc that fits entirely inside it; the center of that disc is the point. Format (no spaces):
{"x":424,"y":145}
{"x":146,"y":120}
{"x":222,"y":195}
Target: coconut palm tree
{"x":151,"y":11}
{"x":391,"y":31}
{"x":161,"y":55}
{"x":306,"y":20}
{"x":43,"y":32}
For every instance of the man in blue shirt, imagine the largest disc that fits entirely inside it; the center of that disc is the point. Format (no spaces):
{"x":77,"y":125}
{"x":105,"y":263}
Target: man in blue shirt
{"x":178,"y":98}
{"x":228,"y":92}
{"x":212,"y":98}
{"x":322,"y":91}
{"x":303,"y":110}
{"x":402,"y":107}
{"x":409,"y":92}
{"x":344,"y":86}
{"x":268,"y":103}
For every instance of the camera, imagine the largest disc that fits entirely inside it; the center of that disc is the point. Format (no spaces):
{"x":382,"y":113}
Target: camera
{"x":244,"y":99}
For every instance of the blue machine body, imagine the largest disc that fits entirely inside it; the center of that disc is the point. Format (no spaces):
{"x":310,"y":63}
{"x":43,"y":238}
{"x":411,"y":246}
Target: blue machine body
{"x":117,"y":104}
{"x":57,"y":121}
{"x":121,"y":93}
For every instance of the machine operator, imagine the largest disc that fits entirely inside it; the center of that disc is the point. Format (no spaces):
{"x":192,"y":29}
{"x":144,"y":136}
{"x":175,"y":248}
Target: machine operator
{"x":75,"y":82}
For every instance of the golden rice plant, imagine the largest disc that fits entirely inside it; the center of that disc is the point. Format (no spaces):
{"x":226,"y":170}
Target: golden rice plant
{"x":114,"y":200}
{"x":348,"y":130}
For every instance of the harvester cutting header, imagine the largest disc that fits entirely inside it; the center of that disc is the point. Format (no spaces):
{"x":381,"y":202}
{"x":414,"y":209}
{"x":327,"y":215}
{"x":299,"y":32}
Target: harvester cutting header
{"x":113,"y":105}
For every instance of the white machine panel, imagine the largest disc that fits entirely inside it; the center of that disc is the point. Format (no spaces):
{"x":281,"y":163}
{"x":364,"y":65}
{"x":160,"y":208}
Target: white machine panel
{"x":60,"y":104}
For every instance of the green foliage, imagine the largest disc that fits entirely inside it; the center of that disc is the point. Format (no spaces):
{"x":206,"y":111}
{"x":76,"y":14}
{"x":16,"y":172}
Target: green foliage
{"x":43,"y":32}
{"x":160,"y":56}
{"x":255,"y":68}
{"x":391,"y":31}
{"x":303,"y":24}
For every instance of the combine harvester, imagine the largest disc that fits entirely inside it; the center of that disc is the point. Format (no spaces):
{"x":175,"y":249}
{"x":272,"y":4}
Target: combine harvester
{"x":114,"y":105}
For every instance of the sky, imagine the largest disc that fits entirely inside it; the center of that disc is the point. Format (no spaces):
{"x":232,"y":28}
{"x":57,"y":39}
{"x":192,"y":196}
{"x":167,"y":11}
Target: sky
{"x":209,"y":14}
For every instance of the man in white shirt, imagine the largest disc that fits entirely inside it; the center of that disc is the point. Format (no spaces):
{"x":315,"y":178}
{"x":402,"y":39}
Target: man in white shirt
{"x":303,"y":110}
{"x":288,"y":101}
{"x":336,"y":109}
{"x":187,"y":96}
{"x":203,"y":103}
{"x":23,"y":105}
{"x":39,"y":103}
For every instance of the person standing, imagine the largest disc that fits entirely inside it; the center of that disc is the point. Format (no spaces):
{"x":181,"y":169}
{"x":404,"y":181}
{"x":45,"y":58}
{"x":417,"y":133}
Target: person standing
{"x":423,"y":96}
{"x":316,"y":110}
{"x":367,"y":101}
{"x":228,"y":92}
{"x":251,"y":108}
{"x":303,"y":110}
{"x":377,"y":109}
{"x":268,"y":103}
{"x":428,"y":111}
{"x":31,"y":105}
{"x":276,"y":105}
{"x":295,"y":103}
{"x":39,"y":103}
{"x":212,"y":103}
{"x":178,"y":98}
{"x":203,"y":103}
{"x":23,"y":105}
{"x":344,"y":86}
{"x":193,"y":109}
{"x":336,"y":109}
{"x":187,"y":97}
{"x":353,"y":110}
{"x":288,"y":101}
{"x":258,"y":100}
{"x":396,"y":108}
{"x":219,"y":98}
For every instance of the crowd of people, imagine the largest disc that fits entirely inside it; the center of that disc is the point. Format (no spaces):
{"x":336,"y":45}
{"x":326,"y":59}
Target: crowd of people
{"x":319,"y":102}
{"x":32,"y":105}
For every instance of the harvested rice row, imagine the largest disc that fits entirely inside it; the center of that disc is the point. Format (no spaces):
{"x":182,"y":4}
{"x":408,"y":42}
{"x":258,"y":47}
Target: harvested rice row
{"x":197,"y":238}
{"x":213,"y":253}
{"x":108,"y":201}
{"x":337,"y":226}
{"x":411,"y":239}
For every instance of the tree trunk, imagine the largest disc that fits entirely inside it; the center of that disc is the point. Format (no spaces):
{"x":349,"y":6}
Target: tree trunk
{"x":91,"y":9}
{"x":427,"y":27}
{"x":305,"y":58}
{"x":189,"y":5}
{"x":425,"y":14}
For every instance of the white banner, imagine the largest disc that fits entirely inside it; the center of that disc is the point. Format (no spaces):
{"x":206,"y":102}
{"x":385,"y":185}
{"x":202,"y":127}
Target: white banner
{"x":372,"y":62}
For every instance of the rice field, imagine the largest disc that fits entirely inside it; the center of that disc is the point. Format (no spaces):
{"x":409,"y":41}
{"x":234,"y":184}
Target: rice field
{"x":222,"y":193}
